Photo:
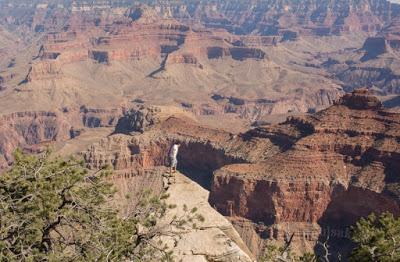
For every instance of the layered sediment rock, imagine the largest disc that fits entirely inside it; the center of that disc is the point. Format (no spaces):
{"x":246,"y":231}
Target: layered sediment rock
{"x":371,"y":66}
{"x":257,"y":108}
{"x":33,"y":131}
{"x":391,"y":34}
{"x":239,"y":17}
{"x":311,"y":17}
{"x":386,"y":41}
{"x":139,"y":34}
{"x":361,"y":99}
{"x":337,"y":166}
{"x":29,"y":129}
{"x":201,"y":152}
{"x":92,"y":52}
{"x":137,"y":120}
{"x":309,"y":176}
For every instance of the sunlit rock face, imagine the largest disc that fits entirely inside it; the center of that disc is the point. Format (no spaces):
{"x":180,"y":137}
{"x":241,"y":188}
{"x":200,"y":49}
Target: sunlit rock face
{"x":339,"y":165}
{"x":304,"y":176}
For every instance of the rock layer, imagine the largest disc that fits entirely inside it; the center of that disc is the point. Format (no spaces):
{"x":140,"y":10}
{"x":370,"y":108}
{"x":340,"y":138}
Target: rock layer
{"x":309,"y":176}
{"x":33,"y":131}
{"x":336,"y":166}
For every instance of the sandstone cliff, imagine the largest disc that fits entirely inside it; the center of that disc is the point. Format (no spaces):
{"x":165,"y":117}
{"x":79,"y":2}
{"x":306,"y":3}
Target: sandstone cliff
{"x":34,"y":131}
{"x":295,"y":17}
{"x":337,"y":166}
{"x":311,"y":176}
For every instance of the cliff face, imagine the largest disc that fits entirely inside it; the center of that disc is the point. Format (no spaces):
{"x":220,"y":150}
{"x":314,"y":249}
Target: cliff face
{"x":342,"y":164}
{"x":146,"y":148}
{"x":270,"y":17}
{"x":29,"y":129}
{"x":274,"y":17}
{"x":310,"y":176}
{"x":137,"y":34}
{"x":204,"y":37}
{"x":387,"y":41}
{"x":33,"y":131}
{"x":374,"y":65}
{"x":117,"y":50}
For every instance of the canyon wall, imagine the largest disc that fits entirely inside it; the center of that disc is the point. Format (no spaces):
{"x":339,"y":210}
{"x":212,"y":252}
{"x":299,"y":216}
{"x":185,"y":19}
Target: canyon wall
{"x":343,"y":166}
{"x":311,"y":176}
{"x":270,"y":17}
{"x":34,"y":131}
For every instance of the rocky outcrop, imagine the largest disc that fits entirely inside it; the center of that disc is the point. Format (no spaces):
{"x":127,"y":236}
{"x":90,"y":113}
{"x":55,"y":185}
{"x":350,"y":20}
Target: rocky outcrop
{"x":29,"y":129}
{"x":339,"y":165}
{"x":309,"y":176}
{"x":137,"y":120}
{"x":124,"y":152}
{"x":34,"y":131}
{"x":219,"y":240}
{"x":132,"y":156}
{"x":361,"y":99}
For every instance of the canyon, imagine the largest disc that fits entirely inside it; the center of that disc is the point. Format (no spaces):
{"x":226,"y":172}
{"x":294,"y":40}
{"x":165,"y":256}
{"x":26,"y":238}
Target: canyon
{"x":277,"y":137}
{"x":304,"y":177}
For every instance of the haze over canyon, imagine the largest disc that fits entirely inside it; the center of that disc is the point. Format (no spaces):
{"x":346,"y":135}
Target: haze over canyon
{"x":287,"y":110}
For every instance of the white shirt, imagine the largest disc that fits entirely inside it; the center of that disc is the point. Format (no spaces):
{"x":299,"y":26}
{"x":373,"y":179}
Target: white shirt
{"x":174,"y":151}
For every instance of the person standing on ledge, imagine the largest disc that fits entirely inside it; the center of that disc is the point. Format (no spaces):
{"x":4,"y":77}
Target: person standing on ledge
{"x":173,"y":160}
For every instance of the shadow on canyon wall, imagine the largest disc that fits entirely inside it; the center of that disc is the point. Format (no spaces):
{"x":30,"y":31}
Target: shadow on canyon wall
{"x":198,"y":161}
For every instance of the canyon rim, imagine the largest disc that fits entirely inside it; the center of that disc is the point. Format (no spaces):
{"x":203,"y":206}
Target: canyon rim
{"x":287,"y":112}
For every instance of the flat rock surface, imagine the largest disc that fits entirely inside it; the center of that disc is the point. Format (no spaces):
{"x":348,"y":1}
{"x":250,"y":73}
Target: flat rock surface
{"x":215,"y":239}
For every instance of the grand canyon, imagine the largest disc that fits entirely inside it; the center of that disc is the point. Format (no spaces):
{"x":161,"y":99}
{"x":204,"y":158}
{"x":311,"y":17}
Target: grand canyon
{"x":287,"y":111}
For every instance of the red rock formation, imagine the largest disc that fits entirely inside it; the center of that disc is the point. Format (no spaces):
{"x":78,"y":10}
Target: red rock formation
{"x":336,"y":166}
{"x":32,"y":130}
{"x":361,"y":99}
{"x":183,"y":59}
{"x":29,"y":129}
{"x":126,"y":153}
{"x":139,"y":34}
{"x":386,"y":41}
{"x":303,"y":17}
{"x":317,"y":17}
{"x":305,"y":176}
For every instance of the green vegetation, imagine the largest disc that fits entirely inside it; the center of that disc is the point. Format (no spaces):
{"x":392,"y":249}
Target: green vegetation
{"x":377,"y":239}
{"x":54,"y":210}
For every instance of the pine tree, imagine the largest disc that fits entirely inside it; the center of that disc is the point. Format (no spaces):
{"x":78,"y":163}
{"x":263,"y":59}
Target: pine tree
{"x":377,"y":239}
{"x":54,"y":210}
